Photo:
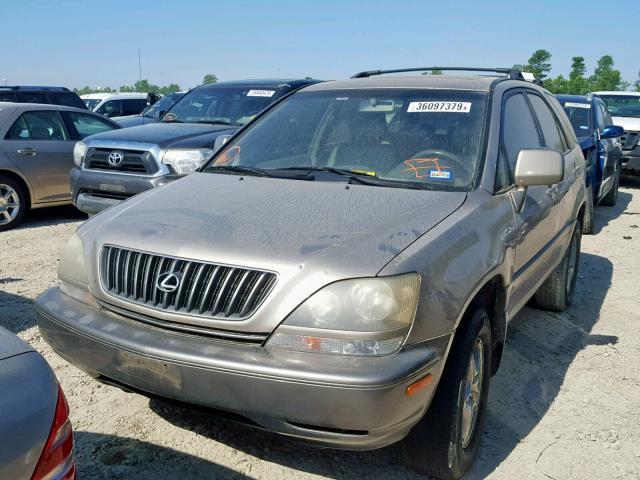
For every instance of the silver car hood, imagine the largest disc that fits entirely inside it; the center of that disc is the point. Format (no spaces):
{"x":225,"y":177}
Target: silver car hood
{"x":309,"y":232}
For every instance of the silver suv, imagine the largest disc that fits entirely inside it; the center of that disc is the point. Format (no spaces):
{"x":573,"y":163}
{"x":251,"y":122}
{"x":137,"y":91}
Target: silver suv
{"x":344,"y":269}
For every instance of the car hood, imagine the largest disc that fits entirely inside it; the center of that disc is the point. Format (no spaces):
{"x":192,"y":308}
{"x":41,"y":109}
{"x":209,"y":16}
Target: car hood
{"x":168,"y":135}
{"x":11,"y":345}
{"x":133,"y":121}
{"x":628,"y":123}
{"x":275,"y":223}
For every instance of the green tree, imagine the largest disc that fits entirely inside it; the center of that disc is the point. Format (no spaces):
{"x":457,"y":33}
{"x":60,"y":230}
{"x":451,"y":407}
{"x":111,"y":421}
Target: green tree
{"x":605,"y":77}
{"x":578,"y":84}
{"x":209,"y":78}
{"x":172,"y":87}
{"x":538,"y":64}
{"x":557,"y":85}
{"x":637,"y":83}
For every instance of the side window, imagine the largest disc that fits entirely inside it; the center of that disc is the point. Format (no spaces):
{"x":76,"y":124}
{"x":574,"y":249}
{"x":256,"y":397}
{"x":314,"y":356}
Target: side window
{"x":87,"y":125}
{"x":7,"y":97}
{"x":133,"y":106}
{"x":518,"y":129}
{"x":605,"y":114}
{"x":45,"y":125}
{"x":18,"y":131}
{"x":112,"y":108}
{"x":28,"y":97}
{"x":548,"y":123}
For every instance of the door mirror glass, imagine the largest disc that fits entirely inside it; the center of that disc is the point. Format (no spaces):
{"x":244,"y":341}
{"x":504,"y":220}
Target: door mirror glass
{"x":539,"y":166}
{"x":611,"y":131}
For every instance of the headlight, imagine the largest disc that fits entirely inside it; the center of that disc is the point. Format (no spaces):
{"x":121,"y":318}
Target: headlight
{"x":184,"y":162}
{"x":72,"y":274}
{"x":79,"y":152}
{"x":368,"y":316}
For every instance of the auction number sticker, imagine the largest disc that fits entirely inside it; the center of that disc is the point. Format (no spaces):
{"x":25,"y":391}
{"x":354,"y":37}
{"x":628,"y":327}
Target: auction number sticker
{"x":577,"y":105}
{"x":261,"y":93}
{"x":456,"y":107}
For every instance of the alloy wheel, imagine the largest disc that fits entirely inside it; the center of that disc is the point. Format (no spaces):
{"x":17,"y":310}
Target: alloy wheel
{"x":9,"y":204}
{"x":471,"y":386}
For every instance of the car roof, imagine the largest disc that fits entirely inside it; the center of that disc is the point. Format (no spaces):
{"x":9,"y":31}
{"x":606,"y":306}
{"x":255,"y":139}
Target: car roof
{"x":575,"y":98}
{"x":482,"y":83}
{"x":102,"y":96}
{"x":25,"y":107}
{"x":31,"y":88}
{"x":263,"y":83}
{"x":616,"y":92}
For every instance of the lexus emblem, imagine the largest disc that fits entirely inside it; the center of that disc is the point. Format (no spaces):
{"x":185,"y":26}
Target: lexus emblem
{"x":115,"y":159}
{"x":168,"y":282}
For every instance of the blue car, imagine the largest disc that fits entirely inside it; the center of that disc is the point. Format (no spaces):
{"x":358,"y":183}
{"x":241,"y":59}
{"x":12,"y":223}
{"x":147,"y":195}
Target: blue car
{"x":598,"y":139}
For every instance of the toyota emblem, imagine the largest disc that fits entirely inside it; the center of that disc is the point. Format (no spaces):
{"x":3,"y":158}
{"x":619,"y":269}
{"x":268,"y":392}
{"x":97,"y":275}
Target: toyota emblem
{"x":115,"y":159}
{"x":168,"y":282}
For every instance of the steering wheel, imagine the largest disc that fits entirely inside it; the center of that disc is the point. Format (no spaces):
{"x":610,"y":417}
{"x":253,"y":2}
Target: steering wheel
{"x":445,"y":159}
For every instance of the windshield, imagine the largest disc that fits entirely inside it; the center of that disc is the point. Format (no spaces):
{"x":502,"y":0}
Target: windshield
{"x":579,"y":114}
{"x":234,"y":105}
{"x":622,"y":105}
{"x":161,"y":105}
{"x":406,"y":138}
{"x":91,"y":102}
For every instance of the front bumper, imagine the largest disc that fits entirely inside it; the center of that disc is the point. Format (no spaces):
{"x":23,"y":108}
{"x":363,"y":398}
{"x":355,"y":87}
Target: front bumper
{"x":93,"y":190}
{"x":332,"y":401}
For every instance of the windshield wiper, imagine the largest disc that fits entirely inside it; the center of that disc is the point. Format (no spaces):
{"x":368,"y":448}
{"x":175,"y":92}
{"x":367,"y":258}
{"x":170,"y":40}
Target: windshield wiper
{"x":220,"y":122}
{"x":362,"y":178}
{"x":239,"y":170}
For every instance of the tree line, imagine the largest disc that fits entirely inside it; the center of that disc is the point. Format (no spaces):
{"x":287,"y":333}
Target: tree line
{"x":604,"y":76}
{"x":143,"y":86}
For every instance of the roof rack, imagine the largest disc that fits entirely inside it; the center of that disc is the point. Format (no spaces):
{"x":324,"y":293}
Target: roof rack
{"x":36,"y":87}
{"x":512,"y":73}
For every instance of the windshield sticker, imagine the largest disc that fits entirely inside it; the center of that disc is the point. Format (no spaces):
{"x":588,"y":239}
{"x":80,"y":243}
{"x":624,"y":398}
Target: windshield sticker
{"x":424,"y":168}
{"x":577,"y":105}
{"x":169,"y":117}
{"x":261,"y":93}
{"x":454,"y":107}
{"x":440,"y":174}
{"x":228,"y":156}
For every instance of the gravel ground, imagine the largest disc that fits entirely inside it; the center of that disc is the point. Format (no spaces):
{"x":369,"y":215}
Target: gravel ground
{"x":564,"y":404}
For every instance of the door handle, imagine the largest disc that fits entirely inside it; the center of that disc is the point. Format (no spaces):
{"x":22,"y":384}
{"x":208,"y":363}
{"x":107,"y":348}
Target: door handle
{"x":27,"y":151}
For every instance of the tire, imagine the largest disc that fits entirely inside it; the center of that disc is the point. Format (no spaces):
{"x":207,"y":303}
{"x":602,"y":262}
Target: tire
{"x":610,"y":199}
{"x":13,"y":203}
{"x":443,"y":445}
{"x":587,"y":221}
{"x":556,"y":293}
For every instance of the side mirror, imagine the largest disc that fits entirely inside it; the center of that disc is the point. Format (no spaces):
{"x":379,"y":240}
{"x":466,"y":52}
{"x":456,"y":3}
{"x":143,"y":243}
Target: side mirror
{"x":611,"y":131}
{"x":152,"y":98}
{"x":220,"y":141}
{"x":539,"y":166}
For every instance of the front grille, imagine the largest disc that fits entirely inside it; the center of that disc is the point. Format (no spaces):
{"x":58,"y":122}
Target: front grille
{"x":134,"y":161}
{"x":629,"y":140}
{"x":202,"y":289}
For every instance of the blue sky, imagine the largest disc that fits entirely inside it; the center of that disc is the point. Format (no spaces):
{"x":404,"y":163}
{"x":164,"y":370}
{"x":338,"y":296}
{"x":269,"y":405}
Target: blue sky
{"x":77,"y":43}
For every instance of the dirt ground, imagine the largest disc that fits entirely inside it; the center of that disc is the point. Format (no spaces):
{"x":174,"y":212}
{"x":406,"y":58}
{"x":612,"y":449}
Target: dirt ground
{"x":564,"y":405}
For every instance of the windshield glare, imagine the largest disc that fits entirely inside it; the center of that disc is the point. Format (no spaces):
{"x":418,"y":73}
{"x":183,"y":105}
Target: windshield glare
{"x":431,"y":138}
{"x":233,"y":104}
{"x":622,"y":105}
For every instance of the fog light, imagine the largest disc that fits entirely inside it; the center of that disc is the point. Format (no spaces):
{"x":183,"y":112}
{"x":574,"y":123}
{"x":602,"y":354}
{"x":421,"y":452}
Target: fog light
{"x":340,"y":346}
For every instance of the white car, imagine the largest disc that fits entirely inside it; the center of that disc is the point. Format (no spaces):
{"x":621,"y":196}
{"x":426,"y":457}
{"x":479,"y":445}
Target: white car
{"x":625,"y":110}
{"x":119,"y":104}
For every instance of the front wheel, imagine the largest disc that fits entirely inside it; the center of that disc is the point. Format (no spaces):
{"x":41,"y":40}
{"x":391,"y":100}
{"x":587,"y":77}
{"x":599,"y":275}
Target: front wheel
{"x":13,"y":203}
{"x":444,"y":443}
{"x":556,"y":293}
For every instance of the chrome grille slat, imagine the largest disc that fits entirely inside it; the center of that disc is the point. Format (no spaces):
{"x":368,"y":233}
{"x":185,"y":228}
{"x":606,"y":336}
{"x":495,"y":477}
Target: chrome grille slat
{"x":205,"y":289}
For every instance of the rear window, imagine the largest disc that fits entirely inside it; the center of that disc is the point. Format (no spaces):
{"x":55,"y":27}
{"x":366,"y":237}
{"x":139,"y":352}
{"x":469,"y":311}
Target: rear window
{"x":579,"y":114}
{"x":68,"y":99}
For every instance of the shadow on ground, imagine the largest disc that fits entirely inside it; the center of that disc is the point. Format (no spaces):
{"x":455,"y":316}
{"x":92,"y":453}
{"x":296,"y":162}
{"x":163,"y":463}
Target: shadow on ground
{"x":108,"y":457}
{"x":41,"y":217}
{"x":16,"y":312}
{"x":540,"y":348}
{"x":604,"y":215}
